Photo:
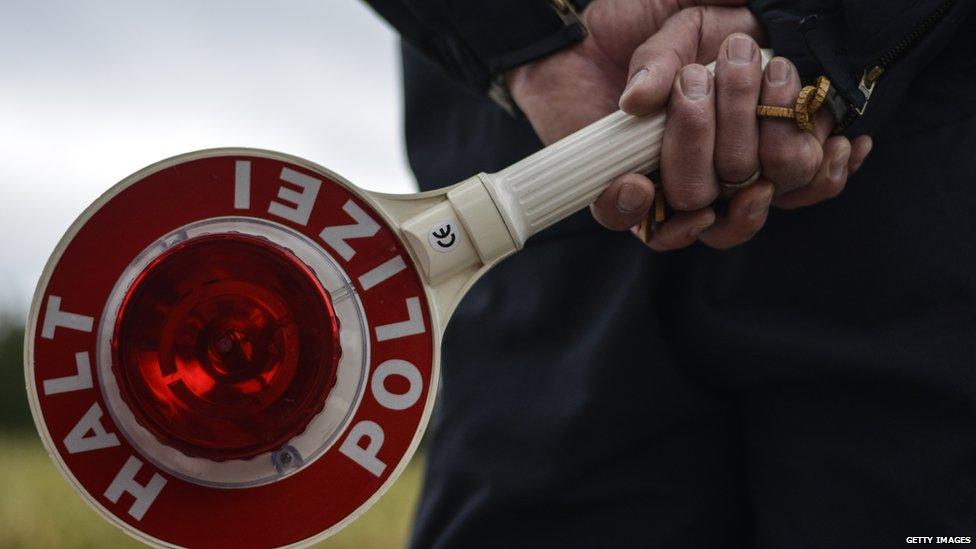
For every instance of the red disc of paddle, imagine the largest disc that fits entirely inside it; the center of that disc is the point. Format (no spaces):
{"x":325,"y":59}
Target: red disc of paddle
{"x":231,"y":348}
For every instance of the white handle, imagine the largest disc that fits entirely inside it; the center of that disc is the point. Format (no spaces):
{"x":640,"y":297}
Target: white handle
{"x":568,"y":175}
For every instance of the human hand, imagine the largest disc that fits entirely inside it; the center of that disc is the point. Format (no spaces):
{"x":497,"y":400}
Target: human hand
{"x":712,"y":135}
{"x":712,"y":131}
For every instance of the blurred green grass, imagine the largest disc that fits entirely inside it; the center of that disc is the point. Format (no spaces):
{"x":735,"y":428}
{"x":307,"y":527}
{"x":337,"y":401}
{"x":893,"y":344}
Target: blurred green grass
{"x":39,"y":509}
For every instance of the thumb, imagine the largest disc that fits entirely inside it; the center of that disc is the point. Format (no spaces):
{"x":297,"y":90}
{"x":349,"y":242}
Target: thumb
{"x":692,"y":35}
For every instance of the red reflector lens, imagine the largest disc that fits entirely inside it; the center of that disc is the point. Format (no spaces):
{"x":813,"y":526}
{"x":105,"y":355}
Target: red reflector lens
{"x":226,"y":347}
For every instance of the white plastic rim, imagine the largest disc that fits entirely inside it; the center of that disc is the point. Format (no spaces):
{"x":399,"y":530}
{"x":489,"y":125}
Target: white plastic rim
{"x":324,"y":427}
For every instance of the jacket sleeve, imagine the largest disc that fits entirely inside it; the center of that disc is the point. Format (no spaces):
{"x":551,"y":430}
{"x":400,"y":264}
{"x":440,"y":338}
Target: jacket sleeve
{"x":871,"y":51}
{"x":476,"y":40}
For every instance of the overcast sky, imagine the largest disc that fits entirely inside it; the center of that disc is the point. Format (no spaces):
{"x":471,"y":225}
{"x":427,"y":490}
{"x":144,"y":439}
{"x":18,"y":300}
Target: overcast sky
{"x":92,"y":91}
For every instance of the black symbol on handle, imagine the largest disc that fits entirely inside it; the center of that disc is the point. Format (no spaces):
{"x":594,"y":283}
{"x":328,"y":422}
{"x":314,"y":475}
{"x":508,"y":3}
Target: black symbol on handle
{"x":442,"y":234}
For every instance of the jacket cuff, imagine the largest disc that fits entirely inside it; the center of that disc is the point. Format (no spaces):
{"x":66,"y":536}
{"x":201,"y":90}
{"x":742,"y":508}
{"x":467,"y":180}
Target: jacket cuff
{"x":488,"y":38}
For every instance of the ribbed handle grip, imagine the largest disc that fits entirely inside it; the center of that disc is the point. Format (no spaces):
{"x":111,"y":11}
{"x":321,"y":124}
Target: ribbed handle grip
{"x":568,"y":175}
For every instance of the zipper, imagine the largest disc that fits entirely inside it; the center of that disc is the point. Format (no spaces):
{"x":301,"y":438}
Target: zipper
{"x":871,"y":74}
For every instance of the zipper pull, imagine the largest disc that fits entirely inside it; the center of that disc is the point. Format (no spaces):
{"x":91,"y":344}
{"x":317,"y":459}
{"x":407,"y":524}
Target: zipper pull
{"x":868,"y":80}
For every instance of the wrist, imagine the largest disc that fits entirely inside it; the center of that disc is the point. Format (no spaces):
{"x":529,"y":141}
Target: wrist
{"x":505,"y":70}
{"x":530,"y":84}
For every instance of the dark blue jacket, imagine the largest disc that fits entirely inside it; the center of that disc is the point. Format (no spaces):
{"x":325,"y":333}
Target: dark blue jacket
{"x":813,"y":388}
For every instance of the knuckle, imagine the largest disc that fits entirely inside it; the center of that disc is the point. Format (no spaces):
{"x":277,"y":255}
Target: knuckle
{"x":736,"y":83}
{"x":638,"y":101}
{"x":737,"y":123}
{"x":731,"y":241}
{"x":607,"y":216}
{"x":788,"y":202}
{"x":777,"y":97}
{"x":807,"y":170}
{"x":620,"y":222}
{"x":600,"y":15}
{"x":640,"y":55}
{"x":736,"y":136}
{"x":747,"y":231}
{"x":833,"y":188}
{"x":734,"y":163}
{"x":788,"y":164}
{"x":833,"y":191}
{"x":730,"y":238}
{"x":691,"y":16}
{"x":775,"y":157}
{"x":808,"y":161}
{"x":690,"y":196}
{"x":689,"y":118}
{"x":657,"y":245}
{"x":728,"y":243}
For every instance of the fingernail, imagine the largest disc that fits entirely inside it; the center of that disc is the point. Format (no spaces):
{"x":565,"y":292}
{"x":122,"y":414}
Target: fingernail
{"x":638,"y":76}
{"x":630,"y":197}
{"x":740,"y":50}
{"x":778,"y":71}
{"x":761,"y":204}
{"x":694,"y":82}
{"x":835,"y":170}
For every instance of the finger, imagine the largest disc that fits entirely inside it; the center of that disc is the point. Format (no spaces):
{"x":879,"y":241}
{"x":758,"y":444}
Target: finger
{"x":789,"y":156}
{"x":829,"y":180}
{"x":681,"y":230}
{"x":687,"y":166}
{"x":738,"y":77}
{"x":746,"y":214}
{"x":691,"y":35}
{"x":823,"y":124}
{"x":860,"y":148}
{"x":624,"y":203}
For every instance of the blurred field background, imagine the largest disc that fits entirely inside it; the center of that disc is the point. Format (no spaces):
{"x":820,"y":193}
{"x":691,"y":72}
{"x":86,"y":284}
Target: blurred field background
{"x":99,"y":89}
{"x":39,"y":509}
